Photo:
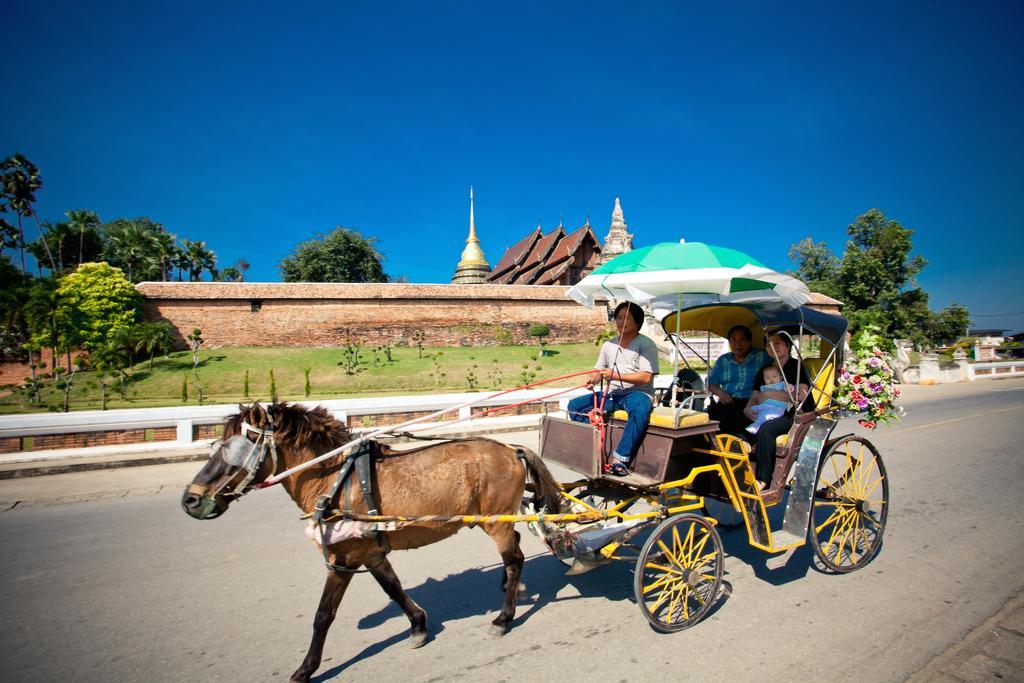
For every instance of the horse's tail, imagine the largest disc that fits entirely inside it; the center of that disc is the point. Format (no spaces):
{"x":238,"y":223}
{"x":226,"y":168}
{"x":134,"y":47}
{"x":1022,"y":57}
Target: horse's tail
{"x":547,"y":492}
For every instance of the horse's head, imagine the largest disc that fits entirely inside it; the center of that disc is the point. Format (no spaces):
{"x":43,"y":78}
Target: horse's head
{"x":245,"y":456}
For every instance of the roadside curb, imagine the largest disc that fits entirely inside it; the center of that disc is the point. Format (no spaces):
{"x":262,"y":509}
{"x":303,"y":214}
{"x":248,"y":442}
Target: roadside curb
{"x":992,"y":651}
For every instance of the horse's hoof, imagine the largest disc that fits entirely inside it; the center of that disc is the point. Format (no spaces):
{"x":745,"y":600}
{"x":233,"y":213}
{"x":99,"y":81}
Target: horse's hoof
{"x":497,"y":630}
{"x":418,"y":640}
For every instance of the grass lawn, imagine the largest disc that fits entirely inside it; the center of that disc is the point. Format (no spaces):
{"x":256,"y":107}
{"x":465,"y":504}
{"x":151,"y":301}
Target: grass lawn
{"x":440,"y":370}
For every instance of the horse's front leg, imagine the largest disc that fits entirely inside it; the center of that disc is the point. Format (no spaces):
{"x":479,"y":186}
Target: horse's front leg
{"x":388,"y":580}
{"x":512,"y":557}
{"x":334,"y":590}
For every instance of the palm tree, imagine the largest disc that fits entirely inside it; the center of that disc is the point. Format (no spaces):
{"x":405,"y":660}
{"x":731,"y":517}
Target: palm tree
{"x":133,"y":245}
{"x":155,"y":337}
{"x":86,"y":222}
{"x":125,"y":340}
{"x":198,"y":258}
{"x":166,"y":252}
{"x":41,"y":314}
{"x":18,"y":186}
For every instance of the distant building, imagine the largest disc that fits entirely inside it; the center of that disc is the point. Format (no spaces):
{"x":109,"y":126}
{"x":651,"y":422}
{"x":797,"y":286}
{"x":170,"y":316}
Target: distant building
{"x":618,"y":241}
{"x":473,"y":267}
{"x":560,"y":258}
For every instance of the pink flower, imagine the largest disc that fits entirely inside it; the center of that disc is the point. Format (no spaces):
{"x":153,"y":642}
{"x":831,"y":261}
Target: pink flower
{"x":867,"y":424}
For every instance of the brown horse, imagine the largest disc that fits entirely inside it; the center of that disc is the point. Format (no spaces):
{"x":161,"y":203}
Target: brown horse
{"x":474,"y":476}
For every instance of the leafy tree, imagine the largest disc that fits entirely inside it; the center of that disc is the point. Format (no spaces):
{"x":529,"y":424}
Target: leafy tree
{"x":94,"y":301}
{"x":342,"y":255}
{"x":540,"y":331}
{"x":950,"y":324}
{"x":242,"y":266}
{"x":114,"y":358}
{"x":818,"y":267}
{"x":875,"y":279}
{"x":230,"y":274}
{"x":14,"y":292}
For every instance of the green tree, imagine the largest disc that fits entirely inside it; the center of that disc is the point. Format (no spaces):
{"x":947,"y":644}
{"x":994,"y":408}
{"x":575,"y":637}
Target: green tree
{"x":132,"y":246}
{"x":197,"y":259}
{"x":94,"y":301}
{"x":153,"y":338}
{"x":14,"y":292}
{"x":949,"y":324}
{"x":342,"y":255}
{"x":41,"y":315}
{"x":818,"y":267}
{"x":540,"y":331}
{"x":19,"y":181}
{"x":167,"y":253}
{"x":875,"y":279}
{"x":90,"y":242}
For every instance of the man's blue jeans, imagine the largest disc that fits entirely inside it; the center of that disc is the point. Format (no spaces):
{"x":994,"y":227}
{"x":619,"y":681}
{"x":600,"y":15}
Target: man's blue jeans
{"x":637,"y":405}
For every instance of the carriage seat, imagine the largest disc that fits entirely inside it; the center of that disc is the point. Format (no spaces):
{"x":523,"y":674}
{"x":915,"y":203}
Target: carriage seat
{"x":669,"y":418}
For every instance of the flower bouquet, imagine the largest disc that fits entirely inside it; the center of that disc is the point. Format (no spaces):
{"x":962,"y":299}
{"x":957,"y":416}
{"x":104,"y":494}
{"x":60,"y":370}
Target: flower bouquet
{"x":866,"y":383}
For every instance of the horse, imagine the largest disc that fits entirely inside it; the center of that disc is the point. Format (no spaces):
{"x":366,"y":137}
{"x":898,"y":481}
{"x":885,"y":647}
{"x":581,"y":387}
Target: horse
{"x":472,"y":476}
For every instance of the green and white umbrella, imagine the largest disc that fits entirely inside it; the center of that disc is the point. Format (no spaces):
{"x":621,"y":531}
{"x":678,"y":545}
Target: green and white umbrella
{"x":691,"y":273}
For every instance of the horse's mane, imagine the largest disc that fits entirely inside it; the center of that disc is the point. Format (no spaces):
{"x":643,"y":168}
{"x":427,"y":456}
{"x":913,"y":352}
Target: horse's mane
{"x":294,"y":426}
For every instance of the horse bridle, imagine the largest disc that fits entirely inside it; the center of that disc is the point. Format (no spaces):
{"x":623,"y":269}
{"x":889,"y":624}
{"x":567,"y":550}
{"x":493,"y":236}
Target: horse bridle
{"x":247,"y":456}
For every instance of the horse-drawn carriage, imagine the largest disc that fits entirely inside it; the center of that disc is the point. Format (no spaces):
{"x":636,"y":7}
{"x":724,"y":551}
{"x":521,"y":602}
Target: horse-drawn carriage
{"x":690,"y":479}
{"x":365,"y":499}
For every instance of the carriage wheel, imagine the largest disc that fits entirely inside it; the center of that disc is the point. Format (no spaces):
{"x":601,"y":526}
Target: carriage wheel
{"x":851,"y":501}
{"x":679,"y":572}
{"x":724,"y":513}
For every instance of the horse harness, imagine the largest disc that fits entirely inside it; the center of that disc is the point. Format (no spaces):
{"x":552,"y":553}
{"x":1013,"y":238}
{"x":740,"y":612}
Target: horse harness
{"x":363,"y":461}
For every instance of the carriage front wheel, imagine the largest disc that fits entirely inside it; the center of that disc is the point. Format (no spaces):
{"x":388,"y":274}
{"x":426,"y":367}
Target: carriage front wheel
{"x":851,"y":501}
{"x":679,"y":572}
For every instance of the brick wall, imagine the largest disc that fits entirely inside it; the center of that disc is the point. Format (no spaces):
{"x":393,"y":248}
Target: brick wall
{"x":327,"y":314}
{"x":45,"y":442}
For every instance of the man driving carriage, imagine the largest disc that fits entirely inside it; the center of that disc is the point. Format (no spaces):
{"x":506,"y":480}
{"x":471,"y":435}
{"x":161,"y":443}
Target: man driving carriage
{"x":628,"y":363}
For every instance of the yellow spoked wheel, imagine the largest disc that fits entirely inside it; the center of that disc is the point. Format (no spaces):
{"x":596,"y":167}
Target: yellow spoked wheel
{"x":851,"y":502}
{"x":679,"y":572}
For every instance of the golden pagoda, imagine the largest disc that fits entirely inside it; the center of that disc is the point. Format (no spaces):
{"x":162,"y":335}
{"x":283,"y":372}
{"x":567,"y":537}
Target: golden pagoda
{"x":473,"y":267}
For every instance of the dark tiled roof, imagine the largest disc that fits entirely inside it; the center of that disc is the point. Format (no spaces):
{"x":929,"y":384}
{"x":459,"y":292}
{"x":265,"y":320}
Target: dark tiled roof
{"x":540,"y":251}
{"x":513,"y":257}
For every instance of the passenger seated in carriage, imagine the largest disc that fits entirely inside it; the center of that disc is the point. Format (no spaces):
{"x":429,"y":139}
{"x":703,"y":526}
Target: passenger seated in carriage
{"x":628,"y":363}
{"x":731,"y":380}
{"x":794,"y":374}
{"x":761,"y":407}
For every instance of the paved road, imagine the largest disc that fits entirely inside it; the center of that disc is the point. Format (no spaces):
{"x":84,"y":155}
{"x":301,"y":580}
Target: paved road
{"x":117,"y":583}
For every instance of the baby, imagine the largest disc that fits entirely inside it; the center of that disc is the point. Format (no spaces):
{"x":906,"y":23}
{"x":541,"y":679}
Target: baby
{"x":768,"y":408}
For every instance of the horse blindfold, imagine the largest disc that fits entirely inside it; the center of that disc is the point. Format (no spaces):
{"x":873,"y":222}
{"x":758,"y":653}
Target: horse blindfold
{"x":239,"y":451}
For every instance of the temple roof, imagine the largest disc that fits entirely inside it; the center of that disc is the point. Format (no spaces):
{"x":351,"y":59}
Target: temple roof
{"x":544,"y":259}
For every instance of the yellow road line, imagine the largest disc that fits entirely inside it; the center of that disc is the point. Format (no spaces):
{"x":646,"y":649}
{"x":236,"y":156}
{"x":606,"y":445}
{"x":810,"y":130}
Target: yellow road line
{"x":958,"y":419}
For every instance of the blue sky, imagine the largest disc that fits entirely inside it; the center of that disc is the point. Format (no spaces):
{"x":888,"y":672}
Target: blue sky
{"x":254,"y":126}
